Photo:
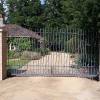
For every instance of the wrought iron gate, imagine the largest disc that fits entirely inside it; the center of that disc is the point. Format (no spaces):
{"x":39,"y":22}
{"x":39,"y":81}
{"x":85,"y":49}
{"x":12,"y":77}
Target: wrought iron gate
{"x":53,"y":52}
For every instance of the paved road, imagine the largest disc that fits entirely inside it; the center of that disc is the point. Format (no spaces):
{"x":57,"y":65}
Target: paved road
{"x":49,"y":89}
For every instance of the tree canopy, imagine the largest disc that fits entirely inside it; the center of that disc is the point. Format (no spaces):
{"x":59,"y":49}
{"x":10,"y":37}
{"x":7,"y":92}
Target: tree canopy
{"x":32,"y":14}
{"x":27,"y":13}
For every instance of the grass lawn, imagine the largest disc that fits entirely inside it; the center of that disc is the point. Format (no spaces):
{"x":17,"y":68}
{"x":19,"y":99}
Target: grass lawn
{"x":16,"y":63}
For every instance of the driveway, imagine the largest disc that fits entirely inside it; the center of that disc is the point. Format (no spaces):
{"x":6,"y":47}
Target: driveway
{"x":49,"y":88}
{"x":56,"y":63}
{"x":53,"y":59}
{"x":59,"y":63}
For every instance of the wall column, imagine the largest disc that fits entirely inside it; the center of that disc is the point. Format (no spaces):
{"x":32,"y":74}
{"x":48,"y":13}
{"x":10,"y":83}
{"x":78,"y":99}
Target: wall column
{"x":3,"y":55}
{"x":99,"y":58}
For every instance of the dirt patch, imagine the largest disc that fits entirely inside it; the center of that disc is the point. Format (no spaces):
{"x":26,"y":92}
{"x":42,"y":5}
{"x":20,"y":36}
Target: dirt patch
{"x":49,"y":88}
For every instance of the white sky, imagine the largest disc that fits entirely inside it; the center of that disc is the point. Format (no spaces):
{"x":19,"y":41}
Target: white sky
{"x":42,"y":1}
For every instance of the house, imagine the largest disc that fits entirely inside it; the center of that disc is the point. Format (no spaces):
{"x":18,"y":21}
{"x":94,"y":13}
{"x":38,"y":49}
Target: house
{"x":16,"y":31}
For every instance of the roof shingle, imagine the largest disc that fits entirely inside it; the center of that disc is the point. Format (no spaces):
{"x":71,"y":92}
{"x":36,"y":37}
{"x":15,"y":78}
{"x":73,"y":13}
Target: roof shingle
{"x":18,"y":31}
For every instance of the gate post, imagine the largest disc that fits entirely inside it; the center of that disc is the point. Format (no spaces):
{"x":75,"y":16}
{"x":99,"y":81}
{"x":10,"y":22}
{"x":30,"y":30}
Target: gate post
{"x":99,"y":57}
{"x":3,"y":51}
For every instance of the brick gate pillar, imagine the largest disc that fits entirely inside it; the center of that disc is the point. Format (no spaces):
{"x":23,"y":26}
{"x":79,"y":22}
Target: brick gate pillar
{"x":3,"y":51}
{"x":99,"y":57}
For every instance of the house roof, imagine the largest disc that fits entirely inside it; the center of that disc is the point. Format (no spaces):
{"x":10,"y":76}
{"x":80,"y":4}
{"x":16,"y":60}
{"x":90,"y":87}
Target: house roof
{"x":18,"y":31}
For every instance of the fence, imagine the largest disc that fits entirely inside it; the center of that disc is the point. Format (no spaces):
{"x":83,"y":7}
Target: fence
{"x":54,"y":52}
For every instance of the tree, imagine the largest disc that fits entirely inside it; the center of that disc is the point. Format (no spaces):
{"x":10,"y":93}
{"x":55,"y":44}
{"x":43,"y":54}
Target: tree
{"x":71,"y":12}
{"x":82,"y":13}
{"x":3,"y":9}
{"x":52,"y":13}
{"x":27,"y":13}
{"x":91,"y":15}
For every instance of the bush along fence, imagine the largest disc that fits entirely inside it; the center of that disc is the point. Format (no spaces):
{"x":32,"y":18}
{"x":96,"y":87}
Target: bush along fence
{"x":54,"y":52}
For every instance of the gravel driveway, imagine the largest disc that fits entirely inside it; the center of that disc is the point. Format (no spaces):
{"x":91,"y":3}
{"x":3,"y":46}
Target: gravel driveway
{"x":49,"y":88}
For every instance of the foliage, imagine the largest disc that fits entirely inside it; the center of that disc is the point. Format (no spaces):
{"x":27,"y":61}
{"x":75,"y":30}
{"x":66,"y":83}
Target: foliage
{"x":3,"y":10}
{"x":27,"y":13}
{"x":85,"y":15}
{"x":72,"y":45}
{"x":44,"y":51}
{"x":20,"y":43}
{"x":32,"y":14}
{"x":13,"y":55}
{"x":86,"y":60}
{"x":28,"y":55}
{"x":53,"y":13}
{"x":16,"y":63}
{"x":24,"y":44}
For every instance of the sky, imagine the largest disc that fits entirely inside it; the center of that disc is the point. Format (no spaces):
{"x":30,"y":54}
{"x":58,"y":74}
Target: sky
{"x":42,"y":1}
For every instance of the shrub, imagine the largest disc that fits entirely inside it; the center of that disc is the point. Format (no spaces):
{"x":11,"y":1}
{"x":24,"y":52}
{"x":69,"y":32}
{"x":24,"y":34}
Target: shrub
{"x":86,"y":60}
{"x":72,"y":45}
{"x":13,"y":54}
{"x":20,"y":43}
{"x":44,"y":51}
{"x":30,"y":55}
